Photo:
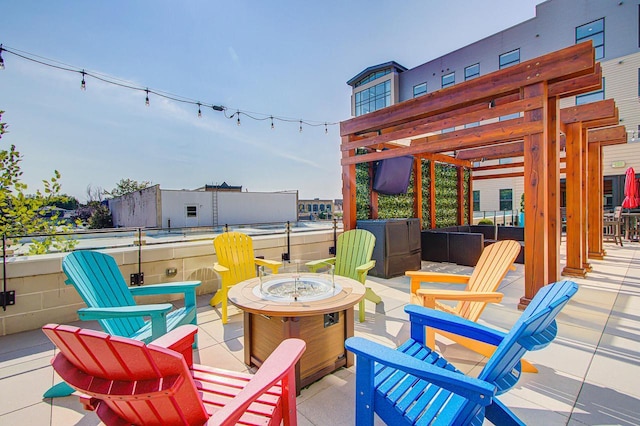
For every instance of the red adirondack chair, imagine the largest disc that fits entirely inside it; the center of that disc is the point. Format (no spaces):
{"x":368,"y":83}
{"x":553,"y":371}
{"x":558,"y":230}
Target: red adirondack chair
{"x":127,"y":382}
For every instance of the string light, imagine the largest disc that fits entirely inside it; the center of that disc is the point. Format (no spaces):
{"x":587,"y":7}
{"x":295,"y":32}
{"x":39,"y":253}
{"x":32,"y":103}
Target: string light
{"x":326,"y":130}
{"x":176,"y":98}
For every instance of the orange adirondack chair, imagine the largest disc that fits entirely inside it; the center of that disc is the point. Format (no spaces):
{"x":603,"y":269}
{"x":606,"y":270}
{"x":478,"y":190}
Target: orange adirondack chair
{"x":128,"y":382}
{"x":236,"y":263}
{"x":481,"y":286}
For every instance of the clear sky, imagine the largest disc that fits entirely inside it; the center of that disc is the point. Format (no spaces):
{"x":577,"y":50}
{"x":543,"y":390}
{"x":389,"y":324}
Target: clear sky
{"x":283,"y":58}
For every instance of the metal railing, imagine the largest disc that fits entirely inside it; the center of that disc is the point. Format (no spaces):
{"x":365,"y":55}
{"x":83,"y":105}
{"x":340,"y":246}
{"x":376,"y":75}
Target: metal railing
{"x":101,"y":239}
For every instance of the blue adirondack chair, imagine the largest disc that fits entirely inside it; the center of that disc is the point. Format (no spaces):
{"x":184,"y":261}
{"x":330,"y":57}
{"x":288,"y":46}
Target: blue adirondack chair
{"x":415,"y":385}
{"x":110,"y":301}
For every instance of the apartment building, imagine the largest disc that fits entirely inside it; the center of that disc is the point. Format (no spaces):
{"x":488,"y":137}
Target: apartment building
{"x":611,"y":25}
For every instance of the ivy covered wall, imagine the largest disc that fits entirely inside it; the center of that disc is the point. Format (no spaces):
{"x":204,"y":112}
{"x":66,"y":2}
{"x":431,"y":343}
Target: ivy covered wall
{"x":401,"y":206}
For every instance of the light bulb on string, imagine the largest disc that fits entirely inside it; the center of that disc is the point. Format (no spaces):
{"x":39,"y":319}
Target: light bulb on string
{"x":300,"y":126}
{"x":199,"y":111}
{"x":272,"y":122}
{"x":238,"y":121}
{"x":146,"y":100}
{"x":83,"y":84}
{"x":326,"y":130}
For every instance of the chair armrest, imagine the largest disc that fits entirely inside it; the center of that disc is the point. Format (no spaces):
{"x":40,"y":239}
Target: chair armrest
{"x":470,"y":296}
{"x":164,"y":288}
{"x":362,"y":270}
{"x":280,"y":365}
{"x":314,"y":265}
{"x":157,"y":312}
{"x":124,"y":311}
{"x":418,"y":277}
{"x":271,"y":264}
{"x":180,"y":340}
{"x":476,"y":390}
{"x":437,"y":277}
{"x":219,"y":268}
{"x":421,"y":317}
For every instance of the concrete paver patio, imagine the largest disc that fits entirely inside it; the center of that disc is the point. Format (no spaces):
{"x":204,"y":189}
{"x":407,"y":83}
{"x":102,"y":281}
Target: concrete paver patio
{"x":588,"y":375}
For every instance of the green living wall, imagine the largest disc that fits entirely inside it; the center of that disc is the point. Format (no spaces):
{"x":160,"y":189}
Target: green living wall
{"x":401,"y":206}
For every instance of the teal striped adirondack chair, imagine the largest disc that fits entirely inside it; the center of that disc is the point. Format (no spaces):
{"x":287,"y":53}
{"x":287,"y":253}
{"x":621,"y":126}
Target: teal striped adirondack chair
{"x":353,"y":260}
{"x":415,"y":385}
{"x":110,"y":301}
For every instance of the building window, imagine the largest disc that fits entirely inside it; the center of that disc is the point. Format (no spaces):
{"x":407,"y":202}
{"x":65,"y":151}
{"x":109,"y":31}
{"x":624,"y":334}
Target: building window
{"x":592,"y":31}
{"x":315,"y":207}
{"x":506,"y":199}
{"x":328,"y":207}
{"x":587,"y":98}
{"x":372,"y":76}
{"x":510,"y":58}
{"x":448,"y":80}
{"x":373,"y":98}
{"x":472,"y":71}
{"x":419,"y":89}
{"x":505,"y":161}
{"x":308,"y":207}
{"x":192,"y":211}
{"x":476,"y":201}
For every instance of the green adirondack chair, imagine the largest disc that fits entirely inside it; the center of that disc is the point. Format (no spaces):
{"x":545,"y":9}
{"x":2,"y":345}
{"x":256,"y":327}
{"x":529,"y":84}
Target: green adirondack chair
{"x":353,"y":260}
{"x":110,"y":301}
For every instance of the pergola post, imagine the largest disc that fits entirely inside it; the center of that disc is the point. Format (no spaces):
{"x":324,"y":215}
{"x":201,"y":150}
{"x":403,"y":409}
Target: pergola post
{"x":574,"y":266}
{"x":595,"y":204}
{"x":348,"y":190}
{"x":536,"y":188}
{"x":553,"y":176}
{"x":417,"y":189}
{"x":432,"y":193}
{"x":460,"y":185}
{"x":585,"y":201}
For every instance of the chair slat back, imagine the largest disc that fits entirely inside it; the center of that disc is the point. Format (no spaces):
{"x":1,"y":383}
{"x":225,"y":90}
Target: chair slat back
{"x":99,"y":282}
{"x":535,"y":329}
{"x":487,"y":275}
{"x":146,"y":385}
{"x":354,"y":248}
{"x":234,"y":251}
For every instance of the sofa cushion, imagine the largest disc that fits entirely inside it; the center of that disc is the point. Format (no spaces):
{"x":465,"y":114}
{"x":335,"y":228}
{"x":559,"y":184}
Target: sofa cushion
{"x":489,"y":231}
{"x":510,"y":233}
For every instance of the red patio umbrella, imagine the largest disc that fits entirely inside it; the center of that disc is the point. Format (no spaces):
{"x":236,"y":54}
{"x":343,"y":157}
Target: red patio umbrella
{"x":630,"y":190}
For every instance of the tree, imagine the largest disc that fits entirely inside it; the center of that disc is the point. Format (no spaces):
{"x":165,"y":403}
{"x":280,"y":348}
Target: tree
{"x":126,"y":186}
{"x":101,"y":218}
{"x":22,"y":214}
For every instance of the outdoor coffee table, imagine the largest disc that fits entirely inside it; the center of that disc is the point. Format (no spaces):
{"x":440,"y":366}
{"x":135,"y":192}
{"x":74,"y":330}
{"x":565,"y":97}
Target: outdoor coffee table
{"x":323,"y":324}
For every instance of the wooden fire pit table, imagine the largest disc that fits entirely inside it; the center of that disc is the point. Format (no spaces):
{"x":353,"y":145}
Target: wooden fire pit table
{"x":323,"y":324}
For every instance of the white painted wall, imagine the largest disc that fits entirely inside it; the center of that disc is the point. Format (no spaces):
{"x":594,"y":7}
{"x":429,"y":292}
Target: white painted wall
{"x":174,"y":208}
{"x":257,"y":207}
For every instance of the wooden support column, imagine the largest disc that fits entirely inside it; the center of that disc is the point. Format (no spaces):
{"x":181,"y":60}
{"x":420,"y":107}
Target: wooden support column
{"x":460,"y":185}
{"x":553,"y":175}
{"x":432,"y":193}
{"x":536,"y":231}
{"x":595,"y":207}
{"x":348,"y":191}
{"x":417,"y":189}
{"x":585,"y":201}
{"x":574,"y":266}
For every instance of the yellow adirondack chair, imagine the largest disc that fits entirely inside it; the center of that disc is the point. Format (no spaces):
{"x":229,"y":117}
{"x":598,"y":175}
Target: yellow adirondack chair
{"x":236,"y":263}
{"x":353,"y":260}
{"x":481,"y":286}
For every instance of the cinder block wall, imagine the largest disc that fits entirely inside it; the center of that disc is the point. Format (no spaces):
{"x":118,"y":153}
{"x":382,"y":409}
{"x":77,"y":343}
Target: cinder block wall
{"x":43,"y":297}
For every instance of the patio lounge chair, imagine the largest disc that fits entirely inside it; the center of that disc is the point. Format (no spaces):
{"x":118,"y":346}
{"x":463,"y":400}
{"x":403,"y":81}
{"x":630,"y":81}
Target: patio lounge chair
{"x":481,"y":286}
{"x":99,"y":282}
{"x":128,"y":382}
{"x":353,"y":260}
{"x":415,"y":385}
{"x":236,"y":263}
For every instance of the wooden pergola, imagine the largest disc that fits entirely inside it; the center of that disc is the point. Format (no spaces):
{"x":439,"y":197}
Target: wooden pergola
{"x":530,"y":92}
